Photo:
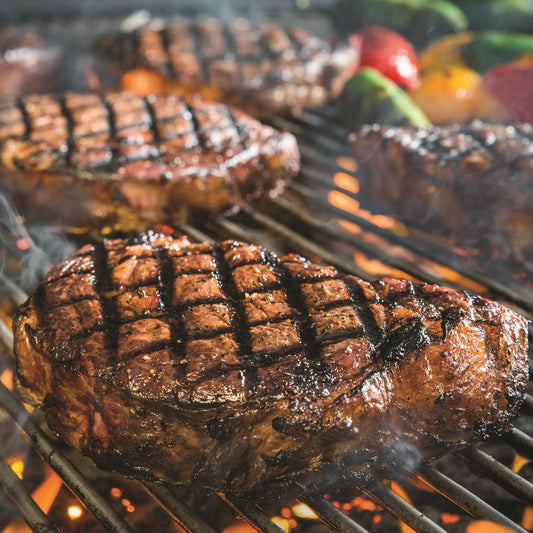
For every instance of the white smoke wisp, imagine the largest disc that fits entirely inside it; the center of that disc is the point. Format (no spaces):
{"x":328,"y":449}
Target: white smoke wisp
{"x":33,"y":250}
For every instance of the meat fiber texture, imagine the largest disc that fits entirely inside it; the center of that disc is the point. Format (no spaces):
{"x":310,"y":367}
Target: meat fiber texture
{"x":89,"y":158}
{"x":263,"y":67}
{"x":472,"y":183}
{"x":223,"y":365}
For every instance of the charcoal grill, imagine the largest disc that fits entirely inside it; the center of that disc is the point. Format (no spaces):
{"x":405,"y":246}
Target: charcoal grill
{"x":319,"y":216}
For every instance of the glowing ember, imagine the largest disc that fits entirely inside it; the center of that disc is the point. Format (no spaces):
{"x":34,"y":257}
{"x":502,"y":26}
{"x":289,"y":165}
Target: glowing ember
{"x":342,"y":201}
{"x":7,"y":378}
{"x":303,"y":511}
{"x":527,"y":519}
{"x":519,"y":462}
{"x":347,"y":182}
{"x":347,"y":163}
{"x":284,"y":524}
{"x":115,"y":492}
{"x":239,"y":527}
{"x":484,"y":526}
{"x":74,"y":512}
{"x":449,"y":518}
{"x":24,"y":244}
{"x":17,"y":465}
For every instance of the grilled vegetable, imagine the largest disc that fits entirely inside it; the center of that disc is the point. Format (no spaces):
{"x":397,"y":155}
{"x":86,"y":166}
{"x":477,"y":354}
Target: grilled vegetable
{"x":502,"y":15}
{"x":512,"y":85}
{"x":420,"y":20}
{"x":370,"y":97}
{"x":448,"y":94}
{"x":223,"y":365}
{"x":490,"y":48}
{"x":479,"y":51}
{"x":389,"y":53}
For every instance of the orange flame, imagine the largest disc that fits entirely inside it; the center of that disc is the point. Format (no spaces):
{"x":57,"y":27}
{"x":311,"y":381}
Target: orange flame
{"x":399,"y":491}
{"x":449,"y":518}
{"x":347,"y":163}
{"x":527,"y":519}
{"x":44,"y":496}
{"x":7,"y":378}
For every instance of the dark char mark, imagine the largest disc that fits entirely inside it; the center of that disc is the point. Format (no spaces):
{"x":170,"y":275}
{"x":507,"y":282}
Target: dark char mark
{"x":409,"y":336}
{"x":373,"y":332}
{"x":228,"y":288}
{"x":304,"y":325}
{"x":102,"y":283}
{"x":165,"y":291}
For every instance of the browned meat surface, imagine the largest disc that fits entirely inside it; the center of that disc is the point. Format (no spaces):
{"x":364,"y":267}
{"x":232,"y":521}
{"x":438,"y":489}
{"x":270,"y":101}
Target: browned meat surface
{"x":28,"y":63}
{"x":159,"y":157}
{"x":266,"y":68}
{"x":470,"y":182}
{"x":222,"y":364}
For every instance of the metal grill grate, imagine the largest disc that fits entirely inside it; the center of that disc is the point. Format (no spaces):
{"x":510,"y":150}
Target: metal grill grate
{"x":305,"y":220}
{"x":288,"y":222}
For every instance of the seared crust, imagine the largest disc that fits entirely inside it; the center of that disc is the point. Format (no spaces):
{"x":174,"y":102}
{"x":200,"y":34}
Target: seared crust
{"x":471,"y":182}
{"x":223,"y":364}
{"x":160,"y":157}
{"x":265,"y":68}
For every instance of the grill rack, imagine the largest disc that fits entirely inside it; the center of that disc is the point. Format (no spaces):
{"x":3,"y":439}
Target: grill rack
{"x":301,"y":220}
{"x":292,"y":231}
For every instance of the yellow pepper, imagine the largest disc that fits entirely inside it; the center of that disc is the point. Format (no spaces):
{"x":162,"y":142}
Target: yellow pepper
{"x":448,"y":94}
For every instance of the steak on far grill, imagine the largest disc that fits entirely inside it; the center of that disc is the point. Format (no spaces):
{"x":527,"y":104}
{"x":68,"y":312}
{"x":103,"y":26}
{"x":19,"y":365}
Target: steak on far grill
{"x":160,"y":157}
{"x":264,"y":68}
{"x":470,"y":182}
{"x":225,"y":365}
{"x":28,"y":63}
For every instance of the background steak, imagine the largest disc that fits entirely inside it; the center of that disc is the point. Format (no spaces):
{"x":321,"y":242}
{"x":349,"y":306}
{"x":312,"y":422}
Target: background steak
{"x":264,"y":68}
{"x":159,"y":157}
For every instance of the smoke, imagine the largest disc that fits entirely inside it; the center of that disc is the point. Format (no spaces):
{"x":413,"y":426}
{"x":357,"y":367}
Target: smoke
{"x":27,"y":253}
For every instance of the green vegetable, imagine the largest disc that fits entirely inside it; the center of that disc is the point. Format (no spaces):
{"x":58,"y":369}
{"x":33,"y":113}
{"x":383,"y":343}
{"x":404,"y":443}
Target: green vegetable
{"x":501,"y":15}
{"x":421,"y":21}
{"x":489,"y":48}
{"x":369,"y":97}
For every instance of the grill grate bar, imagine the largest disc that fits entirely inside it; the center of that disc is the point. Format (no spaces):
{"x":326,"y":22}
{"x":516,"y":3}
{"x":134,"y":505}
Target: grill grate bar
{"x":332,"y":516}
{"x":14,"y":488}
{"x":250,"y":513}
{"x":499,"y":473}
{"x":431,"y":252}
{"x":62,"y":465}
{"x":400,"y":508}
{"x":177,"y":510}
{"x":302,"y":242}
{"x":520,"y":441}
{"x":353,"y":240}
{"x":463,"y":498}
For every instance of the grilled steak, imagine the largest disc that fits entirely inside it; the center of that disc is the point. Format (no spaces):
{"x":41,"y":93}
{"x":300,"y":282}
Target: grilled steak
{"x":471,"y":182}
{"x":28,"y":63}
{"x":225,"y":365}
{"x":265,"y":68}
{"x":160,"y":157}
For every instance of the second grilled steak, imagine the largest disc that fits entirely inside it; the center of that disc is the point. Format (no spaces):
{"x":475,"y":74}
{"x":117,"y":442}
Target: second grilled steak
{"x":160,"y":157}
{"x":265,"y":68}
{"x":470,"y":182}
{"x":225,"y":365}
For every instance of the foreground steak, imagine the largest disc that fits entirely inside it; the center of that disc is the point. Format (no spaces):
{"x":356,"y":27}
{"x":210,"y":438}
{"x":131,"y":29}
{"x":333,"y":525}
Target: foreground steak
{"x":266,"y":68}
{"x":222,"y":364}
{"x":471,"y":182}
{"x":160,"y":157}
